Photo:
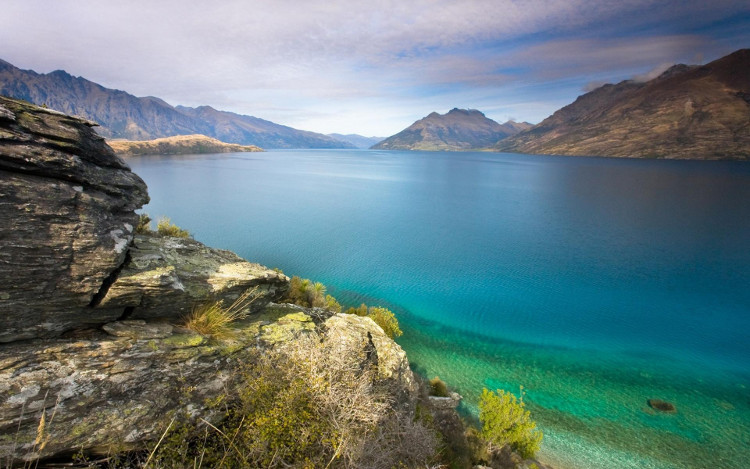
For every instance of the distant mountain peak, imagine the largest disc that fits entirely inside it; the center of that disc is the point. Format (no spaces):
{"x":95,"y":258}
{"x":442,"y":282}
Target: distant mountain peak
{"x":688,"y":112}
{"x":122,"y":115}
{"x":458,"y":129}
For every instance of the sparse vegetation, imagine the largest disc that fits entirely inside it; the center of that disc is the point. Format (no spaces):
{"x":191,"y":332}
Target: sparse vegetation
{"x":505,"y":420}
{"x":385,"y":318}
{"x":165,"y":227}
{"x":213,"y":319}
{"x":144,"y":224}
{"x":304,"y":292}
{"x":438,"y":387}
{"x":361,"y":310}
{"x":305,"y":407}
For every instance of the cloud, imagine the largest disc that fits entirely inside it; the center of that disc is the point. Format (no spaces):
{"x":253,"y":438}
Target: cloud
{"x":268,"y":57}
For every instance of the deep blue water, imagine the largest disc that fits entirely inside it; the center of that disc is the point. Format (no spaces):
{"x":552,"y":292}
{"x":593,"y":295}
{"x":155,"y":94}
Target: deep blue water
{"x":595,"y":283}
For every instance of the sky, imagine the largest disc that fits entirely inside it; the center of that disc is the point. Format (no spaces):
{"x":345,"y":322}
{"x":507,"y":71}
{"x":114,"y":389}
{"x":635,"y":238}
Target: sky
{"x":368,"y":67}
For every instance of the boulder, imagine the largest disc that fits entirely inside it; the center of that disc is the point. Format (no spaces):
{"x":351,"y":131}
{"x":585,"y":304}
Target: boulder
{"x":66,"y":219}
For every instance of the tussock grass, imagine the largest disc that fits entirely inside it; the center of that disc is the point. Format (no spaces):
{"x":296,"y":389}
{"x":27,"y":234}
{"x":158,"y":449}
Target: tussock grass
{"x":213,"y":319}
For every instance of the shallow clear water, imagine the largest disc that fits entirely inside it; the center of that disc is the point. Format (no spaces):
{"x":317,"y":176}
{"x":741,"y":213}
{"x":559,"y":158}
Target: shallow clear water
{"x":595,"y":283}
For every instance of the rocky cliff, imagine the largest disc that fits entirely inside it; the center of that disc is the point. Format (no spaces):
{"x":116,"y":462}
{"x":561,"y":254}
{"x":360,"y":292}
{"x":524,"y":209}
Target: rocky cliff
{"x":95,"y":358}
{"x":689,"y":112}
{"x":458,"y":129}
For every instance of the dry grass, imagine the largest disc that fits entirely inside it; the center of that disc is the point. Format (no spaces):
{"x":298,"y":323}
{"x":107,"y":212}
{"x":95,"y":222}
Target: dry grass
{"x":213,"y":319}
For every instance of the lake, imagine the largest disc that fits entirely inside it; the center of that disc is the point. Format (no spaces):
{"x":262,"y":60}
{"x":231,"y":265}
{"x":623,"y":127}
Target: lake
{"x":594,"y":283}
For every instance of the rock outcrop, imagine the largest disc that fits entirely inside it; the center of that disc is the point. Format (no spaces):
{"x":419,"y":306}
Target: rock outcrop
{"x":66,"y":220}
{"x":104,"y":393}
{"x":167,"y":277}
{"x":94,"y":356}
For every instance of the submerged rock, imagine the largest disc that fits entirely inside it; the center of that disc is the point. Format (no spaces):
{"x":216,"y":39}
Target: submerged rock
{"x":662,"y":406}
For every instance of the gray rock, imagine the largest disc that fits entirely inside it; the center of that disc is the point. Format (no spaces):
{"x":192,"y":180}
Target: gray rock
{"x":102,"y":392}
{"x":138,"y":329}
{"x":450,"y":402}
{"x":167,"y":277}
{"x":66,"y":219}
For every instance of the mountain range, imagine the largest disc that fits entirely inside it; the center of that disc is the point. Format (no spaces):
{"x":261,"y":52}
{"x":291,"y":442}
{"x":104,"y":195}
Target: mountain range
{"x":458,"y":129}
{"x":122,"y":115}
{"x":688,"y":112}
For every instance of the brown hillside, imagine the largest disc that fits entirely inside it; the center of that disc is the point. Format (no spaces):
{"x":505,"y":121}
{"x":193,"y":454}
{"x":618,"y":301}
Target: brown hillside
{"x":689,"y":112}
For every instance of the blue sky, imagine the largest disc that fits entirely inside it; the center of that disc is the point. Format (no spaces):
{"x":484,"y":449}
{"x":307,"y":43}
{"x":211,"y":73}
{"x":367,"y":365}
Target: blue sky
{"x":368,"y":67}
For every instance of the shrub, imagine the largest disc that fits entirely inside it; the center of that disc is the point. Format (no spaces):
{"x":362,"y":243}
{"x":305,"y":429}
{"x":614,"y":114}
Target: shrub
{"x":304,"y":292}
{"x":165,"y":227}
{"x":144,"y":224}
{"x":384,"y":318}
{"x":304,"y":407}
{"x":506,"y":421}
{"x":332,"y":304}
{"x":359,"y":311}
{"x":213,"y":319}
{"x":438,"y":387}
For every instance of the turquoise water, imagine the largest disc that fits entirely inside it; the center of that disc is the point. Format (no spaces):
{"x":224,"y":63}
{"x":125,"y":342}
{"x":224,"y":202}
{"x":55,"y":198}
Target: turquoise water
{"x":595,"y":283}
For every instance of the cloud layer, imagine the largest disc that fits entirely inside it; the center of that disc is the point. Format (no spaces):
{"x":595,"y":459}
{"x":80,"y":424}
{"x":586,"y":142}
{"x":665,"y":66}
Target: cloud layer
{"x":367,"y":67}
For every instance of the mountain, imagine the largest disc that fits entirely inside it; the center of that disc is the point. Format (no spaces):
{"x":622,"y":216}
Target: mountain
{"x":459,"y":129}
{"x":688,"y":112}
{"x":177,"y":145}
{"x":358,"y":141}
{"x":122,"y":115}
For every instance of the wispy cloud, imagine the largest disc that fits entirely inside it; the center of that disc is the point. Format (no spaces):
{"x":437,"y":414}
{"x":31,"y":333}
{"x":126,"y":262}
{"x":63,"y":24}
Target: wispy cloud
{"x":356,"y":66}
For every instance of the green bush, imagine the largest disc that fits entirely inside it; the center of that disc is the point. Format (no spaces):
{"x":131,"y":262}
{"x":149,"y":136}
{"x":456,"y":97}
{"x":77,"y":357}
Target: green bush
{"x":359,"y":311}
{"x":144,"y":224}
{"x":506,"y":421}
{"x":438,"y":387}
{"x":165,"y":227}
{"x":303,"y":292}
{"x":384,"y":318}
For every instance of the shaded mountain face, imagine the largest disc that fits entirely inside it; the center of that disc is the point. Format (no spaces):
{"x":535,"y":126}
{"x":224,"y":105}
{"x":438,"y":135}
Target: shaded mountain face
{"x":122,"y":115}
{"x":459,"y":129}
{"x":688,"y":112}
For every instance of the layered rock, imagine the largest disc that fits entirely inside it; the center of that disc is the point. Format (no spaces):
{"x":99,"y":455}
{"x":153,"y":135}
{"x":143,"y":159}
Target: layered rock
{"x":66,"y":219}
{"x":102,"y":393}
{"x":167,"y":277}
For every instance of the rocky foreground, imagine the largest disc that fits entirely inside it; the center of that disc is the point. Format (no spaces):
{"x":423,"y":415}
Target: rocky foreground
{"x":91,"y":313}
{"x":178,"y":145}
{"x":98,"y":362}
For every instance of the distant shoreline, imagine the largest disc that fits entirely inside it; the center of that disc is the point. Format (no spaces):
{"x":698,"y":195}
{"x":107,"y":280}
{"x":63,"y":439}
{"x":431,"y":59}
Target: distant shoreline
{"x":178,"y":145}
